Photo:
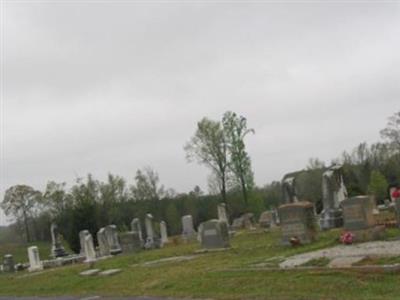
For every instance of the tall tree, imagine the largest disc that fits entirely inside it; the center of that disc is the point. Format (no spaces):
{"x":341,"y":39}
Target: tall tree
{"x":147,"y":185}
{"x":20,"y":201}
{"x":55,"y":197}
{"x":392,"y":131}
{"x":235,"y":128}
{"x":378,"y":186}
{"x":209,"y":147}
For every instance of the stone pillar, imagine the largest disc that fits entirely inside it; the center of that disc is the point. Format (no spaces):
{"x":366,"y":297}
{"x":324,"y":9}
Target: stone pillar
{"x":82,"y":235}
{"x":149,"y":244}
{"x":34,"y":259}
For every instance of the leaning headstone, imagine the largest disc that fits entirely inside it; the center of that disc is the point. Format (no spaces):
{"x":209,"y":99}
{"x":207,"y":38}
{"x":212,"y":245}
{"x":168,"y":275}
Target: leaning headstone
{"x":34,"y":260}
{"x":104,"y":248}
{"x":333,"y":193}
{"x":163,"y":232}
{"x":214,"y":234}
{"x":222,"y":215}
{"x":130,"y":242}
{"x":137,"y":228}
{"x":359,"y":219}
{"x":82,"y":235}
{"x":248,"y":220}
{"x":90,"y":252}
{"x":8,"y":263}
{"x":297,"y":222}
{"x":266,"y":219}
{"x":188,"y":232}
{"x":289,"y":190}
{"x":237,"y":223}
{"x":57,"y":249}
{"x":112,"y":239}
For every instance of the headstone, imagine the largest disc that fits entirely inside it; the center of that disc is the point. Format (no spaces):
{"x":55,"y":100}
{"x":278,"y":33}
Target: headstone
{"x":266,"y":219}
{"x":333,"y":193}
{"x":34,"y":259}
{"x":222,"y":215}
{"x":130,"y":242}
{"x":57,"y":249}
{"x":112,"y":239}
{"x":297,"y":222}
{"x":214,"y":234}
{"x":246,"y":221}
{"x":152,"y":239}
{"x":104,"y":248}
{"x":289,"y":190}
{"x":137,"y":228}
{"x":8,"y":263}
{"x":90,"y":252}
{"x":82,"y":235}
{"x":359,"y":219}
{"x":188,"y":232}
{"x":163,"y":232}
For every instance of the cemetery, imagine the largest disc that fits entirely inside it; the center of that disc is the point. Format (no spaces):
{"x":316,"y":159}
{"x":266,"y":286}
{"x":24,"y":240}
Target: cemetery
{"x":289,"y":243}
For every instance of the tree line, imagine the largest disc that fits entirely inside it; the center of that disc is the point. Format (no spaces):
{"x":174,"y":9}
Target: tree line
{"x":218,"y":145}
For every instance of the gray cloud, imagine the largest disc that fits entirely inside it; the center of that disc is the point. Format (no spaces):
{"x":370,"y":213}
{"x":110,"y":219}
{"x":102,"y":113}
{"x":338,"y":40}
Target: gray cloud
{"x":114,"y":87}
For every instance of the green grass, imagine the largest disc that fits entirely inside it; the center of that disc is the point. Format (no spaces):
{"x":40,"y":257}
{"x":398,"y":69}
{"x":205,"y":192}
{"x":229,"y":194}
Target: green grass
{"x":217,"y":275}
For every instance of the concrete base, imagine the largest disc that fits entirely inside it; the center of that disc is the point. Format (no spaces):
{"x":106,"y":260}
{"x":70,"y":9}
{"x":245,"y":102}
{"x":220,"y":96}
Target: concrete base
{"x":370,"y":234}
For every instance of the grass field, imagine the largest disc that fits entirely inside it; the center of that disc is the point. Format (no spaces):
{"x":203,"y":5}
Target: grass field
{"x":211,"y":275}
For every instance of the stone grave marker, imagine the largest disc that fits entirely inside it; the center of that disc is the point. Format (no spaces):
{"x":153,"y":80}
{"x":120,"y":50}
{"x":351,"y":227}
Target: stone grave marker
{"x":297,"y":222}
{"x":333,"y":193}
{"x":289,"y":189}
{"x":34,"y":260}
{"x":188,"y":232}
{"x":90,"y":252}
{"x":359,"y":219}
{"x":112,"y":239}
{"x":137,"y":228}
{"x":104,"y":248}
{"x":163,"y":232}
{"x":266,"y":219}
{"x":214,"y":234}
{"x":57,"y":249}
{"x":222,"y":215}
{"x":8,"y":263}
{"x":82,"y":235}
{"x":130,"y":242}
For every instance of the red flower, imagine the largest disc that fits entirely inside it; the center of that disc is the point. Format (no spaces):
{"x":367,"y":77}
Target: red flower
{"x":347,"y":238}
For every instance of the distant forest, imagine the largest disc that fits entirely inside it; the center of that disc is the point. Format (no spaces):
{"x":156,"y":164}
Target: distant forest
{"x":220,"y":146}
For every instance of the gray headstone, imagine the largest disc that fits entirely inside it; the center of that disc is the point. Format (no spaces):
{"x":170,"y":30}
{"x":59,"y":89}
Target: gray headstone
{"x":104,"y":248}
{"x":222,"y":215}
{"x":297,"y":221}
{"x":34,"y":259}
{"x":112,"y":239}
{"x":266,"y":219}
{"x":188,"y":232}
{"x":137,"y":228}
{"x":358,"y":213}
{"x":214,"y":234}
{"x":90,"y":252}
{"x":82,"y":235}
{"x":57,"y":249}
{"x":333,"y":193}
{"x":8,"y":263}
{"x":130,"y":242}
{"x":163,"y":232}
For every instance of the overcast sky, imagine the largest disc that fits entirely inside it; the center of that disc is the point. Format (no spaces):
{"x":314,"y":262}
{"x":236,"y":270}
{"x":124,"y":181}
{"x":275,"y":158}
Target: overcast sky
{"x":113,"y":87}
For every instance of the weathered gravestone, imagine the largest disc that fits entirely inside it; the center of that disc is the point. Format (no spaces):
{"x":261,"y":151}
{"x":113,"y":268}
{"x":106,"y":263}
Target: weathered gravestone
{"x":246,"y":221}
{"x":297,"y":222}
{"x":153,"y":239}
{"x":222,"y":215}
{"x":104,"y":248}
{"x":214,"y":234}
{"x":137,"y":229}
{"x":289,"y":190}
{"x":112,"y":239}
{"x":8,"y":263}
{"x":266,"y":219}
{"x":34,"y":260}
{"x":130,"y":242}
{"x":163,"y":232}
{"x":188,"y":232}
{"x":359,"y":219}
{"x":82,"y":235}
{"x":57,"y":249}
{"x":333,"y":193}
{"x":90,"y":252}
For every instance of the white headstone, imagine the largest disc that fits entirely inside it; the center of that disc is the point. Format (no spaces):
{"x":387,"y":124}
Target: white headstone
{"x":34,"y":260}
{"x":90,"y":252}
{"x":137,"y":228}
{"x":222,"y":216}
{"x":163,"y":232}
{"x":104,"y":248}
{"x":82,"y":235}
{"x":149,"y":232}
{"x":112,"y":239}
{"x":188,"y":232}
